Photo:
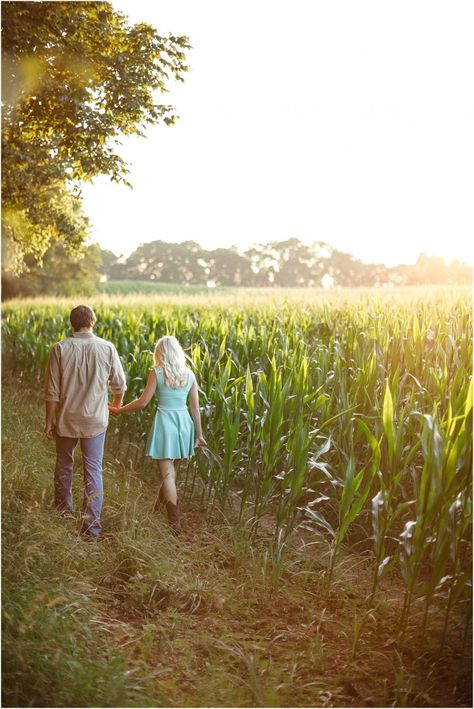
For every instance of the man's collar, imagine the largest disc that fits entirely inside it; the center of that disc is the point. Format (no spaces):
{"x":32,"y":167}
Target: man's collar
{"x":84,"y":335}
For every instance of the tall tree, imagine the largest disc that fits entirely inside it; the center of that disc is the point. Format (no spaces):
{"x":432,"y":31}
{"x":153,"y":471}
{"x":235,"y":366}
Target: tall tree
{"x":76,"y":76}
{"x":60,"y":274}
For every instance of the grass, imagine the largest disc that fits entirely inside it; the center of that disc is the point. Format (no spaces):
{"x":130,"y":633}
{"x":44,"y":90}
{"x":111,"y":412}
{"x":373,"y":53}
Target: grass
{"x":148,"y":295}
{"x":210,"y":619}
{"x":126,"y":287}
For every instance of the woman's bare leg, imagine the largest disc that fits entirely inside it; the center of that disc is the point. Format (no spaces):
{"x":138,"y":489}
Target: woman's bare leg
{"x":168,"y":475}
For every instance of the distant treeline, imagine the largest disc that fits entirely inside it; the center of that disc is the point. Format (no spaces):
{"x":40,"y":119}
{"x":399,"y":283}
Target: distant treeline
{"x":280,"y":264}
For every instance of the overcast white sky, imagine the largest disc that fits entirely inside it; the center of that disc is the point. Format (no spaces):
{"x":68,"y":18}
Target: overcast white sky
{"x":330,"y":120}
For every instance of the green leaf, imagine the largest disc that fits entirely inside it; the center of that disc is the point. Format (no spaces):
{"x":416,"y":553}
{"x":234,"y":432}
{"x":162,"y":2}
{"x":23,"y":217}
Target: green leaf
{"x":387,"y":417}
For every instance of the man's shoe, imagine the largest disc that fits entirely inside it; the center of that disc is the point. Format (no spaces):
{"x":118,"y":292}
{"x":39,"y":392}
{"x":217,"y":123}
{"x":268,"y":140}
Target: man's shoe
{"x":102,"y":537}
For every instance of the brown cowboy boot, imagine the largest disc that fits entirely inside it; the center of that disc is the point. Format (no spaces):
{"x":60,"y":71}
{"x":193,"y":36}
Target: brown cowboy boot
{"x":174,"y":517}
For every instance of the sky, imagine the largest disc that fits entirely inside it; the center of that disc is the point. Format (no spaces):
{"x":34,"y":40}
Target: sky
{"x":325,"y":120}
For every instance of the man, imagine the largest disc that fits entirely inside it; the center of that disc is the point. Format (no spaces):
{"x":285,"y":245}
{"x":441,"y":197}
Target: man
{"x":80,"y":370}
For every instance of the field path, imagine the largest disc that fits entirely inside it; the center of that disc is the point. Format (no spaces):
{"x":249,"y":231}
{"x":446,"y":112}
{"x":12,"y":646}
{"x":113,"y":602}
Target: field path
{"x":144,"y":619}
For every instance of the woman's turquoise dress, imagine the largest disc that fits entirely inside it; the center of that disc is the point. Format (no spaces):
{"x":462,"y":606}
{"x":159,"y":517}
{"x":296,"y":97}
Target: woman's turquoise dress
{"x":172,"y":433}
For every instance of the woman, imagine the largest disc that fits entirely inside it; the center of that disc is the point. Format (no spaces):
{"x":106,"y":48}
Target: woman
{"x":174,"y":433}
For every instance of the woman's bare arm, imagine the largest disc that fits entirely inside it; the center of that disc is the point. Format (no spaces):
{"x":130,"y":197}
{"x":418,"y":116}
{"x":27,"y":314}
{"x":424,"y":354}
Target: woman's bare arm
{"x":196,"y":413}
{"x":142,"y":400}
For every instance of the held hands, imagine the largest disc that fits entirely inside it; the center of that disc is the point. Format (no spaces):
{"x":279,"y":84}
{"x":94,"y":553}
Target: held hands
{"x":115,"y":410}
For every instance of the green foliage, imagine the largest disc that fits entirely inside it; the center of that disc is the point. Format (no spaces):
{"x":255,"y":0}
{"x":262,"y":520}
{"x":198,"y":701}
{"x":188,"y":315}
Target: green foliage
{"x":341,"y":425}
{"x":350,"y":417}
{"x":283,"y":264}
{"x":76,"y":77}
{"x":60,"y":274}
{"x":210,"y":619}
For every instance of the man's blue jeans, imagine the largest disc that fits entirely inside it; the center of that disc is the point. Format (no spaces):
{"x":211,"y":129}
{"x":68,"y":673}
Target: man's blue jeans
{"x":92,"y":453}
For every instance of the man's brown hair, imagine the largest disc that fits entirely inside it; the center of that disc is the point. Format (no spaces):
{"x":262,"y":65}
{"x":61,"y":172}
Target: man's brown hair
{"x":82,"y":316}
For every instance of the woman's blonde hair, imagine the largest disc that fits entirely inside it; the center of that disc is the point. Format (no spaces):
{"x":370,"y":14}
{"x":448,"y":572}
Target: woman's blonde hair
{"x":170,"y":357}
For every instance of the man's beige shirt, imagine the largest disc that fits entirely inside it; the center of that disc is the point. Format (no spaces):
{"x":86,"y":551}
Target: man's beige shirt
{"x":80,"y":370}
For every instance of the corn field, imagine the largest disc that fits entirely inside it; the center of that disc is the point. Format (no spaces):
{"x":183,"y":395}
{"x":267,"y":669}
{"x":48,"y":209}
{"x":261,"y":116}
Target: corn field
{"x":350,"y":418}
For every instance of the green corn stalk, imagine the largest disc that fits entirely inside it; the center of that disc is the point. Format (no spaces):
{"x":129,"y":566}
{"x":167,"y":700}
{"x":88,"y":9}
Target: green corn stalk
{"x":269,"y":371}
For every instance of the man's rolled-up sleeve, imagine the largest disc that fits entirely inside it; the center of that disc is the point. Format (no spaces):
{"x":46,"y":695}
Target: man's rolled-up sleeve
{"x":52,"y":387}
{"x":117,"y":380}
